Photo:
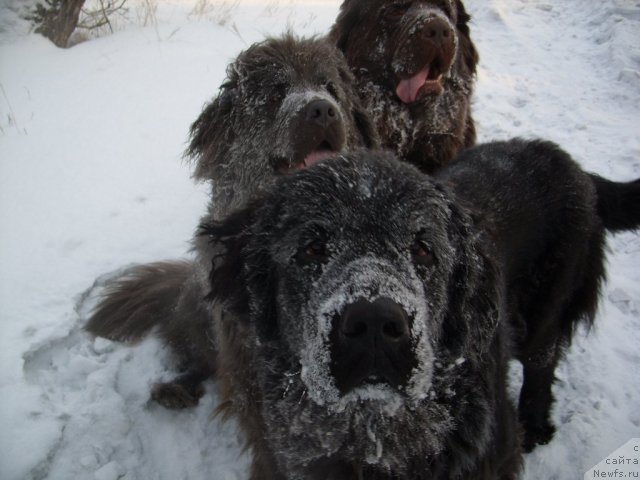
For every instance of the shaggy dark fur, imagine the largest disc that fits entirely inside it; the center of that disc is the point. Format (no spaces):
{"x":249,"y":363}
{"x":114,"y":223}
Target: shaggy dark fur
{"x":280,"y":109}
{"x":549,"y":220}
{"x":415,"y":65}
{"x":285,"y":104}
{"x":364,"y":251}
{"x":168,"y":296}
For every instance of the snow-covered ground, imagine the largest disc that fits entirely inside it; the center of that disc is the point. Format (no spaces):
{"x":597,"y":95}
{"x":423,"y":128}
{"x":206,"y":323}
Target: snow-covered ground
{"x":91,"y":180}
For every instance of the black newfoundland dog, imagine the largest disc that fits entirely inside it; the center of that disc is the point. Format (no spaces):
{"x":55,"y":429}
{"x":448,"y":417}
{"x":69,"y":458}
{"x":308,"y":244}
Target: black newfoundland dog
{"x":415,"y":65}
{"x":279,"y":109}
{"x":365,"y":337}
{"x":549,"y":220}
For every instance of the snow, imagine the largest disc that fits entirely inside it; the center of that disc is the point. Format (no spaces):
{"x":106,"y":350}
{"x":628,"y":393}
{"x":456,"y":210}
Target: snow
{"x":91,"y":180}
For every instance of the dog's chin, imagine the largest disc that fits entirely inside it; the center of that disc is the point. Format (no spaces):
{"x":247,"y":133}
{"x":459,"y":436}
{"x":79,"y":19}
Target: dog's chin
{"x":299,"y":162}
{"x":376,"y":396}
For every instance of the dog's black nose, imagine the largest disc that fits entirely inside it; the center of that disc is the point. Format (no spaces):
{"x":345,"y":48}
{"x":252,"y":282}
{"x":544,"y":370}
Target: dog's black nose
{"x":437,"y":30}
{"x":378,"y":323}
{"x":371,"y":343}
{"x":321,"y":112}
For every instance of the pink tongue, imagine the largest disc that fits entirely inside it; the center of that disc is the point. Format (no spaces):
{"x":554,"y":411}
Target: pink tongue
{"x":407,"y":89}
{"x":317,"y":155}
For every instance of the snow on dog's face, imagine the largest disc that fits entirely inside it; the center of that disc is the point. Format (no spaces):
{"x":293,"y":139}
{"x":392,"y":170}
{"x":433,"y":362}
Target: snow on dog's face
{"x":415,"y":63}
{"x":348,"y":272}
{"x":286,"y":104}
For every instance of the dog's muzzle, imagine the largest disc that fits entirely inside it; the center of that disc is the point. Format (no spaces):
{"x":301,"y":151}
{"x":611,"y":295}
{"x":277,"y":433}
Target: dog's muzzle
{"x":371,"y":344}
{"x":317,"y":130}
{"x":426,"y":51}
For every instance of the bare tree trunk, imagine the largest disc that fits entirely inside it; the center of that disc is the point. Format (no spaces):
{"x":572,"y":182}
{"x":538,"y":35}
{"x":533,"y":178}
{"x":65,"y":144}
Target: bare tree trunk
{"x":60,"y":20}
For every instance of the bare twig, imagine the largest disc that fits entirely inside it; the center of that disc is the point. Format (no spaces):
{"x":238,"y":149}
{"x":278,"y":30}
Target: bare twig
{"x":12,"y":115}
{"x":148,"y":13}
{"x":95,"y":19}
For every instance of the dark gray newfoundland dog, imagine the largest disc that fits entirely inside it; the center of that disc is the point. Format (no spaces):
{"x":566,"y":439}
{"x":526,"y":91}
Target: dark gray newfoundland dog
{"x":415,"y":65}
{"x":280,"y":109}
{"x":365,"y":338}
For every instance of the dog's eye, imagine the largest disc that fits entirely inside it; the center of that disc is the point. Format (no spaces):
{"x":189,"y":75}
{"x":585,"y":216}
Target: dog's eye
{"x":314,"y":252}
{"x":421,"y":253}
{"x":278,"y":92}
{"x":332,"y":89}
{"x":396,"y":11}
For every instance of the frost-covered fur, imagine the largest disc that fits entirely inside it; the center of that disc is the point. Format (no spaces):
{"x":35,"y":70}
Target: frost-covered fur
{"x":286,"y":103}
{"x":258,"y":124}
{"x":362,"y":226}
{"x":549,"y":219}
{"x":385,"y":42}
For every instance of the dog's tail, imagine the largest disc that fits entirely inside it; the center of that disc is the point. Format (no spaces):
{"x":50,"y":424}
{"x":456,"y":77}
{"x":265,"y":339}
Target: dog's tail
{"x":618,"y":203}
{"x":145,"y":296}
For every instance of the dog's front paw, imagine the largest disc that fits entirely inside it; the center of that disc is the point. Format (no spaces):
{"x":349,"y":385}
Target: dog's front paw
{"x":540,"y":434}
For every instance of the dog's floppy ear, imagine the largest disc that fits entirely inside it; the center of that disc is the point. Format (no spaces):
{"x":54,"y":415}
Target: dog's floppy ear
{"x":212,"y":133}
{"x":475,"y":288}
{"x":242,"y":276}
{"x":470,"y":55}
{"x":341,"y":29}
{"x":227,"y":240}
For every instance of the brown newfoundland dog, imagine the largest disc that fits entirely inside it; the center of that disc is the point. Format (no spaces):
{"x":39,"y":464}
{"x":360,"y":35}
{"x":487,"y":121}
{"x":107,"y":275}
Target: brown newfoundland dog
{"x":415,"y":65}
{"x":279,"y":110}
{"x":363,"y":335}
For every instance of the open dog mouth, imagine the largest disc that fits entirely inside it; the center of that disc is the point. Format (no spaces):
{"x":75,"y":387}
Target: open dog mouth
{"x":307,"y":158}
{"x":427,"y":81}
